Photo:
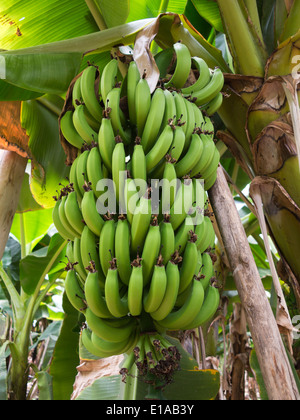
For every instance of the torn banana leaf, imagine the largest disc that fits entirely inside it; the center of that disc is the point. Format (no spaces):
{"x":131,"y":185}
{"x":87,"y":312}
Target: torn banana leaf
{"x":283,"y":217}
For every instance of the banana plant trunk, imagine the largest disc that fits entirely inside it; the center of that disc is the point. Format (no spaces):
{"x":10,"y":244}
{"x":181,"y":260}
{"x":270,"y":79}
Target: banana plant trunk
{"x":12,"y":170}
{"x":276,"y":370}
{"x":261,"y":115}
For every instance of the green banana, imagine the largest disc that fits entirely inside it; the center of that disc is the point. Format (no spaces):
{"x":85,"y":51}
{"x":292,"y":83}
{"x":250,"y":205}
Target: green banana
{"x":57,"y":222}
{"x":212,"y":89}
{"x":182,"y":234}
{"x":131,"y":196}
{"x":161,"y":147}
{"x":209,"y":237}
{"x":133,"y":77}
{"x":69,"y":132}
{"x":70,"y":253}
{"x":122,"y":249}
{"x":94,"y":295}
{"x":191,"y":122}
{"x":139,"y":166}
{"x":154,"y":120}
{"x":189,"y":264}
{"x":94,"y":169}
{"x":190,"y":160}
{"x":182,"y":68}
{"x":174,"y":153}
{"x":142,"y":104}
{"x":106,"y":330}
{"x":178,"y":144}
{"x":92,"y":102}
{"x":107,"y":244}
{"x":79,"y":268}
{"x":108,"y":78}
{"x":88,"y":249}
{"x":106,"y":141}
{"x":199,"y":198}
{"x":214,"y":105}
{"x":86,"y":132}
{"x":73,"y":179}
{"x":81,"y":170}
{"x":117,"y":306}
{"x":167,"y":239}
{"x":86,"y":340}
{"x":151,"y":250}
{"x":208,"y":309}
{"x":64,"y":220}
{"x":74,"y":290}
{"x":199,"y":265}
{"x":201,"y":231}
{"x":206,"y":157}
{"x":170,"y":108}
{"x":157,"y":289}
{"x":203,"y":79}
{"x":111,"y":349}
{"x":73,"y":212}
{"x":169,"y":185}
{"x":90,"y":214}
{"x":199,"y":118}
{"x":136,"y":288}
{"x":178,"y":319}
{"x":182,"y":204}
{"x":119,"y":170}
{"x":117,"y":115}
{"x":181,"y":111}
{"x":210,"y":181}
{"x":169,"y":300}
{"x":209,"y":129}
{"x":212,"y":168}
{"x":207,"y":270}
{"x":77,"y":100}
{"x":76,"y":93}
{"x":140,"y":223}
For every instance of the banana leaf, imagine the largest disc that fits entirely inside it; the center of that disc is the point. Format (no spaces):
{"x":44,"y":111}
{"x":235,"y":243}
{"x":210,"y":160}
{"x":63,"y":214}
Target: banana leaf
{"x":64,"y":363}
{"x":283,"y":216}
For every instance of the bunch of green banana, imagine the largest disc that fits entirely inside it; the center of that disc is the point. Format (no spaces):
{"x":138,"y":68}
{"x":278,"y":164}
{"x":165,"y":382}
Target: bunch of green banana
{"x":144,"y":265}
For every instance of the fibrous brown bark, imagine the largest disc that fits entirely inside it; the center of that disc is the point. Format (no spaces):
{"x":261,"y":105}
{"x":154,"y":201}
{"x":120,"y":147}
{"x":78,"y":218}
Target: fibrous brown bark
{"x":276,"y":370}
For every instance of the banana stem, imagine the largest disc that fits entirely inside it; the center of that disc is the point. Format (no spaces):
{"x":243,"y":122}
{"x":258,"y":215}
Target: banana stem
{"x":248,"y":53}
{"x":251,"y":6}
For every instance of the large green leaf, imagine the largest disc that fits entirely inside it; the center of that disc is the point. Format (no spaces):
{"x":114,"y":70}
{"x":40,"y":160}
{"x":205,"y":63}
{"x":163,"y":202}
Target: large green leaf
{"x":30,"y":227}
{"x":48,"y":73}
{"x":35,"y":22}
{"x":48,"y":165}
{"x":3,"y":372}
{"x":152,"y":8}
{"x":9,"y":92}
{"x":209,"y":11}
{"x":65,"y":356}
{"x":112,"y":15}
{"x":34,"y":266}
